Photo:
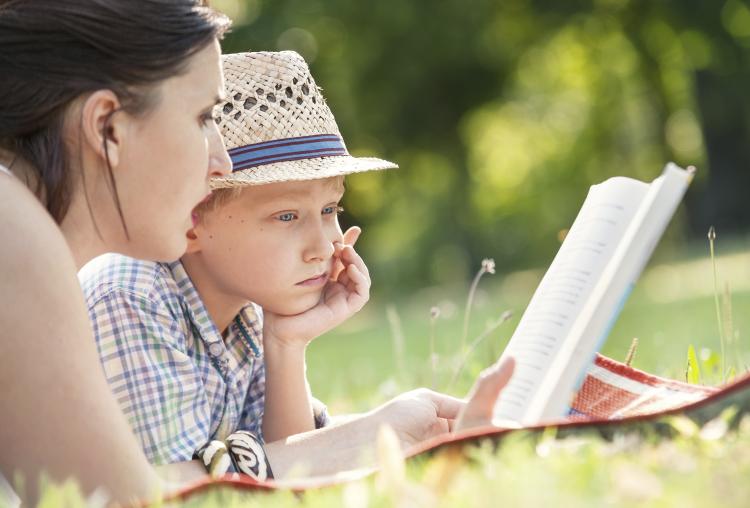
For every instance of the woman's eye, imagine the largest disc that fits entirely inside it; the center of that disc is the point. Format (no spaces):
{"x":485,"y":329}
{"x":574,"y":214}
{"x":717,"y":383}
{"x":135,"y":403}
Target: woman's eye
{"x":206,"y":118}
{"x":287,"y":217}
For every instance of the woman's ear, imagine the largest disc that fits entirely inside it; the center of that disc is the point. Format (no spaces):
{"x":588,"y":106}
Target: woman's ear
{"x":103,"y":125}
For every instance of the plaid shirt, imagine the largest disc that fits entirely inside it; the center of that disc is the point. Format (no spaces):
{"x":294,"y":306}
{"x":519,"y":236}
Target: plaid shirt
{"x":177,"y":380}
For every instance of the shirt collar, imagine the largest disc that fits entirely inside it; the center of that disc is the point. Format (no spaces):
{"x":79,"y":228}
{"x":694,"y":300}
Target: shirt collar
{"x":250,"y":317}
{"x":195,"y":307}
{"x":249,"y":323}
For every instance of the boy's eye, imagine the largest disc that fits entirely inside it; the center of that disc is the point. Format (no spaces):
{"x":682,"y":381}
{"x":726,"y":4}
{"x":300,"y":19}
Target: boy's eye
{"x":328,"y":210}
{"x":286,"y":217}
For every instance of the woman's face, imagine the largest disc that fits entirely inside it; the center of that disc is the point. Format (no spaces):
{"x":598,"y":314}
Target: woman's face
{"x":171,"y":153}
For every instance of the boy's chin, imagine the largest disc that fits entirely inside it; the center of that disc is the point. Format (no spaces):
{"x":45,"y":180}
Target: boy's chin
{"x":292,"y":307}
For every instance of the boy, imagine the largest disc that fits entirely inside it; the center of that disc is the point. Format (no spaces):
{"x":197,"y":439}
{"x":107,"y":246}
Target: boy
{"x":180,"y":343}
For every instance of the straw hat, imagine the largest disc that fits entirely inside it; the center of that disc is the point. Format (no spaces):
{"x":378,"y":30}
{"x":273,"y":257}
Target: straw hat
{"x":277,"y":126}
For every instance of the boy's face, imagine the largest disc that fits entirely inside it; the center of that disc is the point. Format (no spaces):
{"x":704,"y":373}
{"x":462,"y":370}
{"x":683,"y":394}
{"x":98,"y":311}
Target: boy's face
{"x":273,"y":244}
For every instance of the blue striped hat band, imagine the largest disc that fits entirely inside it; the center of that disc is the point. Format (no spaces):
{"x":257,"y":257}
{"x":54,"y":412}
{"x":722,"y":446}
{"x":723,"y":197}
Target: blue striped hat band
{"x":289,"y":149}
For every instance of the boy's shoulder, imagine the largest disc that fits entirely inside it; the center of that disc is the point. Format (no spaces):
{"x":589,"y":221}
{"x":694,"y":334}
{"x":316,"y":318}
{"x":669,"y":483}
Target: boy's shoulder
{"x":118,"y":273}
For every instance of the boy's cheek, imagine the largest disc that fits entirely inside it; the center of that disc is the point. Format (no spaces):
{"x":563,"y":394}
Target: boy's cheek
{"x":339,"y":233}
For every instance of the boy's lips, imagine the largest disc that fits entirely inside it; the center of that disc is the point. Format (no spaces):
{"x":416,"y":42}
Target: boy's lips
{"x":318,"y":280}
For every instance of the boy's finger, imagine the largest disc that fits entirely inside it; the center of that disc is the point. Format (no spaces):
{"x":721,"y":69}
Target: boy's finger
{"x":352,"y":235}
{"x":343,"y":278}
{"x":359,"y":289}
{"x":344,"y":254}
{"x":337,"y":266}
{"x":357,"y":279}
{"x":350,"y":256}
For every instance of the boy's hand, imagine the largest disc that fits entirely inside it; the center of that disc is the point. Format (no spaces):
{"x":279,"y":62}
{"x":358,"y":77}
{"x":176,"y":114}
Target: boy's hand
{"x":350,"y":238}
{"x":345,"y":294}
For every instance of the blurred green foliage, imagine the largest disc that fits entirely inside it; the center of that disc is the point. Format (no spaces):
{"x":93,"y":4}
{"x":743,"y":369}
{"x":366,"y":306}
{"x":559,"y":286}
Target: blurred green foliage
{"x":503,"y":113}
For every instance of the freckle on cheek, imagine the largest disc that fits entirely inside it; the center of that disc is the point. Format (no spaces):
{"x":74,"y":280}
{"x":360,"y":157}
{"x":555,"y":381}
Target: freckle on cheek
{"x":211,"y":237}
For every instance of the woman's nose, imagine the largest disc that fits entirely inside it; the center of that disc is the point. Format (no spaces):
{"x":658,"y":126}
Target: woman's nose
{"x":219,"y":163}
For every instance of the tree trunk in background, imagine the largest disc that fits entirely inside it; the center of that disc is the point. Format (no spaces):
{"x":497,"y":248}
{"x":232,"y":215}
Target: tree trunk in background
{"x":725,"y":200}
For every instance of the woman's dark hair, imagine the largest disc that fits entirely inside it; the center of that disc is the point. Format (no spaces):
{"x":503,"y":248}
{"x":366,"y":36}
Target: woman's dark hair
{"x":54,"y":51}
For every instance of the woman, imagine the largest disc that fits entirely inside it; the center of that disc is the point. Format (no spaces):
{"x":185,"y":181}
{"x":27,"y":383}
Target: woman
{"x":106,"y":127}
{"x":105,"y":116}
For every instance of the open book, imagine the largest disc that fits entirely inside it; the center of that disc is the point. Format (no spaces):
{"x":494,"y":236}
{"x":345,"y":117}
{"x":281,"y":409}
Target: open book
{"x":582,"y":293}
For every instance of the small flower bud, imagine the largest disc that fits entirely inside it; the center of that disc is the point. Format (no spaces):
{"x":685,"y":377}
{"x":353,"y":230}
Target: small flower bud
{"x":488,"y":265}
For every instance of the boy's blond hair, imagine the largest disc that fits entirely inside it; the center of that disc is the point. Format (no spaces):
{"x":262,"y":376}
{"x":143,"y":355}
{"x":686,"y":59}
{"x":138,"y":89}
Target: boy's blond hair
{"x":223,"y":196}
{"x":217,"y":199}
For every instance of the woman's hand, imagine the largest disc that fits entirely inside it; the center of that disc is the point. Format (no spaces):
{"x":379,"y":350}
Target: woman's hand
{"x":415,"y":416}
{"x":483,"y":395}
{"x":422,"y":414}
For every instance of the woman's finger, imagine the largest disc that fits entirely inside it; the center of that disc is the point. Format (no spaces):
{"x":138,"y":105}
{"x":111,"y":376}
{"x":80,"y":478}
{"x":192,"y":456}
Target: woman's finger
{"x":483,"y":395}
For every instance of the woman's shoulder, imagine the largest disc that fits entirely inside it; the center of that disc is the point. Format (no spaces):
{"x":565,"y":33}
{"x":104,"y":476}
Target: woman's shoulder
{"x":36,"y":265}
{"x":26,"y":228}
{"x":47,"y":349}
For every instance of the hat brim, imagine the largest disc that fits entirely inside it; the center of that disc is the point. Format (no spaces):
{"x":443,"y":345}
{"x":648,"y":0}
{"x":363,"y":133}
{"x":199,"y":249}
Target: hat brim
{"x":301,"y":170}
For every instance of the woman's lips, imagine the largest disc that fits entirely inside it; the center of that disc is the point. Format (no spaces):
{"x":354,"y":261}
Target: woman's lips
{"x":193,"y":214}
{"x":319,"y":280}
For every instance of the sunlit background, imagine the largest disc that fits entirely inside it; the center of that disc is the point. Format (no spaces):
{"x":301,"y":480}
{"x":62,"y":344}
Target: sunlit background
{"x":501,"y":114}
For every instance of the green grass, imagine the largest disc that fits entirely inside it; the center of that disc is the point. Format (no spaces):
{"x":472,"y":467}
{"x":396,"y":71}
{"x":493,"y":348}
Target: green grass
{"x":672,"y":307}
{"x":685,"y":471}
{"x":690,"y":470}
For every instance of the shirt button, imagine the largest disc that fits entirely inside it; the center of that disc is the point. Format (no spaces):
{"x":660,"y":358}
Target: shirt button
{"x":215,"y":349}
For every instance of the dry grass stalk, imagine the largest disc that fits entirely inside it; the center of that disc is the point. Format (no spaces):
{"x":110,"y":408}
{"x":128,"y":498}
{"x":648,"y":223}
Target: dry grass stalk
{"x":488,"y":266}
{"x":631,"y":352}
{"x":711,"y":238}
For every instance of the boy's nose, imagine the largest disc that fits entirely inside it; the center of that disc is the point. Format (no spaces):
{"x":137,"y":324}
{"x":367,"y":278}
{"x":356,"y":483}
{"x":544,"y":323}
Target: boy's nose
{"x":320,"y":245}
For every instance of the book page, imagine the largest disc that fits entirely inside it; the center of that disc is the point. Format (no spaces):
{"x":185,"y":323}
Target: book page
{"x":564,"y":289}
{"x":605,"y":300}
